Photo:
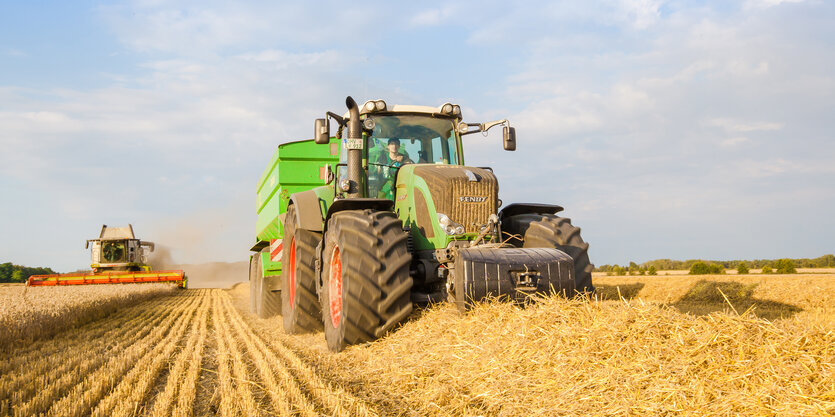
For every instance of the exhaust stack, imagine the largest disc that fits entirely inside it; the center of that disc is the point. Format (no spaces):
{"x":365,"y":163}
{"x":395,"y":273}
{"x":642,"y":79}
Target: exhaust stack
{"x":354,"y":145}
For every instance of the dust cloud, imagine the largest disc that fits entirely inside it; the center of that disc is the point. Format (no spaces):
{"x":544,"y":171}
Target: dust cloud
{"x":161,"y":258}
{"x":201,"y":275}
{"x":215,"y":274}
{"x":210,"y":245}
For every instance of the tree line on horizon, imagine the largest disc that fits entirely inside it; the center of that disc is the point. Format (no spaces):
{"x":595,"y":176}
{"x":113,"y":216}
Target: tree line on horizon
{"x":10,"y":272}
{"x":651,"y":267}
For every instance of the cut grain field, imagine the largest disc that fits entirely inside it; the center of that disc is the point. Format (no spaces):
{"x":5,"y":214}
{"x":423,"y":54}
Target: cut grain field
{"x":644,"y":346}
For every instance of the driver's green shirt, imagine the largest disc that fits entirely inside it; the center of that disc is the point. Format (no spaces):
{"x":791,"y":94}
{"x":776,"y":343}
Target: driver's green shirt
{"x":390,"y":171}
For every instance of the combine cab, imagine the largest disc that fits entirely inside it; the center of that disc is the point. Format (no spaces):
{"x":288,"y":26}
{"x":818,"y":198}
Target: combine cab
{"x":118,"y":257}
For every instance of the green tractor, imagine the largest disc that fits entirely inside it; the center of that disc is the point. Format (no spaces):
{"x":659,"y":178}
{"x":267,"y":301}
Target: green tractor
{"x":355,"y":229}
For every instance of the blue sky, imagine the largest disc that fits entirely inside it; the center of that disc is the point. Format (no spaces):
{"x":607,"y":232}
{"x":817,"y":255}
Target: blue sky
{"x":666,"y":129}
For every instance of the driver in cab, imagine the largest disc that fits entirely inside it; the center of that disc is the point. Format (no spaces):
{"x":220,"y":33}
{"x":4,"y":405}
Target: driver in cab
{"x":394,"y":157}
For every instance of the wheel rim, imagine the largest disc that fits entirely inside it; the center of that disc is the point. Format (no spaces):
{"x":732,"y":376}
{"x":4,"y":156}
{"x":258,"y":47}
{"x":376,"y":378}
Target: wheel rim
{"x":335,"y":287}
{"x":291,"y":291}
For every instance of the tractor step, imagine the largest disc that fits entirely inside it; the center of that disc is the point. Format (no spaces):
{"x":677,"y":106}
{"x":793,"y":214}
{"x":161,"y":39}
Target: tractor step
{"x":121,"y":277}
{"x":514,"y":273}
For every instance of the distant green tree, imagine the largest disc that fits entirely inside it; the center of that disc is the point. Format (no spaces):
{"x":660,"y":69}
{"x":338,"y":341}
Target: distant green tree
{"x":716,"y":268}
{"x":767,"y":269}
{"x":6,"y":270}
{"x":742,"y":268}
{"x":652,"y":270}
{"x":699,"y":268}
{"x":785,"y":266}
{"x":18,"y":273}
{"x":704,"y":268}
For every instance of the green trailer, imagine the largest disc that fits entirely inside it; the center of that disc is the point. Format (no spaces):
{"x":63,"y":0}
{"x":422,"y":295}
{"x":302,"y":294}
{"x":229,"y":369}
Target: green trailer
{"x":355,"y":229}
{"x":294,"y":167}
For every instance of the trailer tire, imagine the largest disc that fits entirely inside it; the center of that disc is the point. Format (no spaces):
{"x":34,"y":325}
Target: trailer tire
{"x":299,"y":304}
{"x":366,"y":285}
{"x":267,"y":302}
{"x":254,"y":280}
{"x":551,"y":231}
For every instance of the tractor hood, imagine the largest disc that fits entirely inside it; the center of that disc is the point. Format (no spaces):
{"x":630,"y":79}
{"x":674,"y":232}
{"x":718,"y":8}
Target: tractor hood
{"x":467,"y":195}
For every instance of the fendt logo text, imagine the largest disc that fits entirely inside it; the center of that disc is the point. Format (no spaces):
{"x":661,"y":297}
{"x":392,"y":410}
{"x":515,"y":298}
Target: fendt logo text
{"x":468,"y":199}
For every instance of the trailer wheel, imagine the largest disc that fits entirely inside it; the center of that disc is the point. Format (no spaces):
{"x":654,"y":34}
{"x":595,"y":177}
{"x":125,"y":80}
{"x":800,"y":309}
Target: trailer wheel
{"x":299,"y":304}
{"x":267,"y":302}
{"x":365,"y":271}
{"x":550,"y":231}
{"x":254,"y":281}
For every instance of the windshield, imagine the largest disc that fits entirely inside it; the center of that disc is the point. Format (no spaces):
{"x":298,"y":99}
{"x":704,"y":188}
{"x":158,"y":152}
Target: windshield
{"x":113,"y":251}
{"x":422,"y":139}
{"x":406,"y":139}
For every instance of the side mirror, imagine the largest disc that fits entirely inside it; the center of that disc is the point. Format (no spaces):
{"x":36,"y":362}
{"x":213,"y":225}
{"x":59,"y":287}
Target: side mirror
{"x":322,"y":131}
{"x":509,"y":138}
{"x":326,"y":174}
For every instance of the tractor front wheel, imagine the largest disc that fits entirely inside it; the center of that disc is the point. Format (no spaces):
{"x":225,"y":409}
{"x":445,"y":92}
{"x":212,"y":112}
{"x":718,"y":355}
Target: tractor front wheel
{"x":550,"y":231}
{"x":366,"y":285}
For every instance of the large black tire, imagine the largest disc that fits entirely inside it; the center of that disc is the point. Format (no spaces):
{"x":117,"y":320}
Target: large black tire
{"x":254,"y":281}
{"x":551,"y":231}
{"x":267,"y":302}
{"x":365,"y":271}
{"x":299,"y":304}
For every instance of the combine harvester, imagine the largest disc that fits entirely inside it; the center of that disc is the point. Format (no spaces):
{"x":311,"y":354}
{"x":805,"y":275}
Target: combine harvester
{"x":118,"y":257}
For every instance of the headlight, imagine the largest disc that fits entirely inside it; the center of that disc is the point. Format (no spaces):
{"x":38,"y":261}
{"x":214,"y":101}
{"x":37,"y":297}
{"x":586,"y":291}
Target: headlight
{"x":369,"y":106}
{"x":345,"y":185}
{"x":456,"y":110}
{"x":446,"y":108}
{"x":381,"y":105}
{"x":450,"y":227}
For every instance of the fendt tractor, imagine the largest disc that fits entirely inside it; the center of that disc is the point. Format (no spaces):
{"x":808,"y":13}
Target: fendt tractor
{"x":118,"y":257}
{"x":354,"y":229}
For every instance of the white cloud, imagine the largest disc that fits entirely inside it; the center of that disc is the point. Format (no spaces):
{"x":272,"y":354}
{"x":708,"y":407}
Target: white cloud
{"x":15,"y":53}
{"x":731,"y":125}
{"x":734,"y":141}
{"x":644,"y":13}
{"x":758,"y":4}
{"x":434,"y":17}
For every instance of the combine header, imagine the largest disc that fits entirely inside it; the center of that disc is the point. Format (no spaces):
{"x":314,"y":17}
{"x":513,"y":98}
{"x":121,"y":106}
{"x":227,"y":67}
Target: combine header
{"x":118,"y":257}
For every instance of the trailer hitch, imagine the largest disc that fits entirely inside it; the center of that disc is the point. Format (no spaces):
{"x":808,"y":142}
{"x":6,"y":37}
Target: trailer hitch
{"x":525,"y":279}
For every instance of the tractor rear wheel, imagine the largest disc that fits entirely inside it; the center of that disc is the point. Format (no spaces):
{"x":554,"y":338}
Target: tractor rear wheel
{"x":550,"y":231}
{"x":299,"y":304}
{"x":365,"y":271}
{"x":267,"y":302}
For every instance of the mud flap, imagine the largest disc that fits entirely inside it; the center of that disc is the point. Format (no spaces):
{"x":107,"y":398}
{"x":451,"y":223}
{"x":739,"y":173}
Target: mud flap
{"x":514,"y":273}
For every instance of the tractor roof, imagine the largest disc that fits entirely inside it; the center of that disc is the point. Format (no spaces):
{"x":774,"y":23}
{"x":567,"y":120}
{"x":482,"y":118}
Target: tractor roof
{"x":402,"y":108}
